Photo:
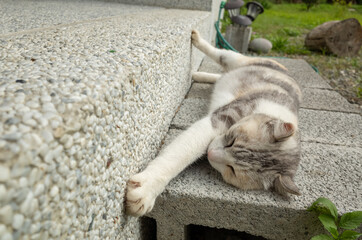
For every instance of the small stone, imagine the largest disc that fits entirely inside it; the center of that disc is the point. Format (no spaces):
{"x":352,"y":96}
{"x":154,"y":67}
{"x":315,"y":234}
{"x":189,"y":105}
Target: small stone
{"x":2,"y":193}
{"x":2,"y":229}
{"x":39,"y":189}
{"x":7,"y":236}
{"x":12,"y":121}
{"x":45,"y":99}
{"x":49,"y":157}
{"x":18,"y":221}
{"x":30,"y":122}
{"x":4,"y":173}
{"x":47,"y":136}
{"x":59,"y":132}
{"x":23,"y":182}
{"x":6,"y":214}
{"x":54,"y":191}
{"x":12,"y":136}
{"x":54,"y":124}
{"x":21,"y":195}
{"x":260,"y":45}
{"x":20,"y":81}
{"x":26,"y":205}
{"x":49,"y":107}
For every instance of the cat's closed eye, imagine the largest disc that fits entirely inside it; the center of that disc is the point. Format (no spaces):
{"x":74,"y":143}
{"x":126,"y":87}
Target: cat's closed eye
{"x":230,"y":143}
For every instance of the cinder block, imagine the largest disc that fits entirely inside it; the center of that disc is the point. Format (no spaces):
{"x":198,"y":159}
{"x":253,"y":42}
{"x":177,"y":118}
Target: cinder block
{"x":200,"y":196}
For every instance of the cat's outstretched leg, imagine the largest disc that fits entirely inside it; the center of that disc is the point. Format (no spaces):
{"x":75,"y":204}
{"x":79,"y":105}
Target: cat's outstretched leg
{"x":228,"y":59}
{"x":203,"y":77}
{"x":144,"y":187}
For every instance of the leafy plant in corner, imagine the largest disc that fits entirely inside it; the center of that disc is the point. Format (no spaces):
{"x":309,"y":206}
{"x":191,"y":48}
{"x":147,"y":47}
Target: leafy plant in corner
{"x":340,"y":228}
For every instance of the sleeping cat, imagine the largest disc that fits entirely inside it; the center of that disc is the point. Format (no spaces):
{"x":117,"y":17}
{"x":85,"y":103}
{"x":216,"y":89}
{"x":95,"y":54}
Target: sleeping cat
{"x":250,"y":133}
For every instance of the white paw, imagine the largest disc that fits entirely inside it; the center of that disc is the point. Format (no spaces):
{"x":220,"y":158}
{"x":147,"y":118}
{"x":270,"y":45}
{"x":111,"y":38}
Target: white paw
{"x":197,"y":76}
{"x":195,"y":37}
{"x":140,"y":196}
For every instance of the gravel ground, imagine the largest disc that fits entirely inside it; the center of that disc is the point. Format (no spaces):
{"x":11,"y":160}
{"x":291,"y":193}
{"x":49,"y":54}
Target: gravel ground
{"x":343,"y":74}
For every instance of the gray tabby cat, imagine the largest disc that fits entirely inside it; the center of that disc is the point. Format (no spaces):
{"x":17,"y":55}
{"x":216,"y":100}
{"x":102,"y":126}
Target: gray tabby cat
{"x":250,"y":134}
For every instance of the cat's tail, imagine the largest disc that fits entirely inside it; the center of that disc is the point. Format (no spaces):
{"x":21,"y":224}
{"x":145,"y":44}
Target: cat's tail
{"x":204,"y":77}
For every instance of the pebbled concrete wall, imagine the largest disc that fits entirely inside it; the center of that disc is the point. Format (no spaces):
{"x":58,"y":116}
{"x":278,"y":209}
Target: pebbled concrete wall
{"x":83,"y":107}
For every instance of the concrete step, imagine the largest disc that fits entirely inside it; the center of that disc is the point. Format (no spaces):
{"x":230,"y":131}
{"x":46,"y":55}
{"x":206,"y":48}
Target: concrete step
{"x":23,"y":15}
{"x":330,"y":167}
{"x":202,"y":5}
{"x":84,"y":105}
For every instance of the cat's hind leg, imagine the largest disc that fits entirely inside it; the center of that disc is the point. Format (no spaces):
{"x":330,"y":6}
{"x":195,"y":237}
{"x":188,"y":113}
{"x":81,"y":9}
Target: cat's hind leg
{"x":228,"y":59}
{"x":203,"y":77}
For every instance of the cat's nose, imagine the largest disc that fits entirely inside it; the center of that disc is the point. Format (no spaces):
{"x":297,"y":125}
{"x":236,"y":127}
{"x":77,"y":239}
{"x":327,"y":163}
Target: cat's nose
{"x":209,"y":154}
{"x":213,"y":155}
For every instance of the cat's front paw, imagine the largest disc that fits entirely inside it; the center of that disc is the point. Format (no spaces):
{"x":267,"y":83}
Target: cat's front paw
{"x":195,"y":37}
{"x":140,"y":196}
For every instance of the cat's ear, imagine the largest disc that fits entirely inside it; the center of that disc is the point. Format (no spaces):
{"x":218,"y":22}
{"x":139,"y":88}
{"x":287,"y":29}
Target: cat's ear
{"x":283,"y":130}
{"x":284,"y":184}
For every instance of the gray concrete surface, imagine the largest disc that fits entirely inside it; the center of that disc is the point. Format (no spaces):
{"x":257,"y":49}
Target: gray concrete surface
{"x":331,"y":131}
{"x":203,"y":5}
{"x":31,"y":14}
{"x":83,"y":106}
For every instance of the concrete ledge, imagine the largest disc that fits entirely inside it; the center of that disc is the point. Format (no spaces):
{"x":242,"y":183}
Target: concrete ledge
{"x":24,"y":15}
{"x":331,"y":153}
{"x":82,"y":107}
{"x":203,"y":5}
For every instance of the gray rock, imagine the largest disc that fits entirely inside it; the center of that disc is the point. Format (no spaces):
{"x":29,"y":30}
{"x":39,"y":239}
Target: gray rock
{"x":260,"y":45}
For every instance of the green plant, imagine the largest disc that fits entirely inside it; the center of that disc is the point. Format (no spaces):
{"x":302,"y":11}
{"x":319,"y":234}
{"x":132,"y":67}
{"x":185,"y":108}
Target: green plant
{"x":279,"y":43}
{"x":310,"y":3}
{"x":291,"y":32}
{"x":328,"y":215}
{"x":225,"y":21}
{"x":266,"y":4}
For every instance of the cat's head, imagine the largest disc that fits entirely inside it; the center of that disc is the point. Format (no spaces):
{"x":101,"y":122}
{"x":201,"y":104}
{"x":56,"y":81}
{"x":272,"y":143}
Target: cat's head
{"x":258,"y":152}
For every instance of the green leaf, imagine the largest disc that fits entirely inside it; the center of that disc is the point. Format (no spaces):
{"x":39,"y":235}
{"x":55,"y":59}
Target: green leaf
{"x":349,"y":235}
{"x":351,"y":220}
{"x":322,"y":237}
{"x":329,"y":224}
{"x":324,"y":206}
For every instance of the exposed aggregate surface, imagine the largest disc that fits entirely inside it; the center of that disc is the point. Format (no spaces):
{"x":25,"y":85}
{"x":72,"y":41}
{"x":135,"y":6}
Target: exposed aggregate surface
{"x":82,"y":107}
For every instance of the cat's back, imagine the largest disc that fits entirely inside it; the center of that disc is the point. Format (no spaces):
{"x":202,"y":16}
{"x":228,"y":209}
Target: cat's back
{"x":259,"y":87}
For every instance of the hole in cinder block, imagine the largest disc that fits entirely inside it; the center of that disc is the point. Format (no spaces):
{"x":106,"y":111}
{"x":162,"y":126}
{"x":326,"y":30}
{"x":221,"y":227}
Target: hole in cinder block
{"x":197,"y":232}
{"x":148,"y":228}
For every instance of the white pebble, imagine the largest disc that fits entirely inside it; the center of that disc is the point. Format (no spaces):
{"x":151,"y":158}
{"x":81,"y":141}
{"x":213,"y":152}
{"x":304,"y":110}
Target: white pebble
{"x":18,"y":221}
{"x":25,"y":206}
{"x":39,"y":189}
{"x":54,"y":124}
{"x":6,"y":214}
{"x":54,"y":191}
{"x":4,"y":173}
{"x":7,"y":236}
{"x":23,"y":182}
{"x":45,"y":98}
{"x":2,"y":193}
{"x":47,"y":136}
{"x":2,"y":229}
{"x":57,"y":151}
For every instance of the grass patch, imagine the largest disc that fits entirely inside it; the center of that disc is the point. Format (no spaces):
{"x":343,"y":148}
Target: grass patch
{"x":294,"y":16}
{"x":286,"y":26}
